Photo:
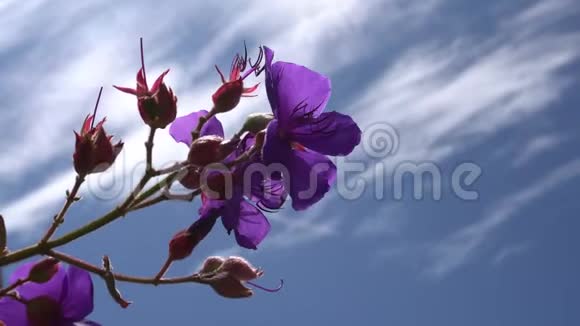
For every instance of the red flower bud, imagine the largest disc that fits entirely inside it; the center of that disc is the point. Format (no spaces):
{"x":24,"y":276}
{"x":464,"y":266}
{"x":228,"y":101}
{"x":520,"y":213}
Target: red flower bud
{"x":159,"y":109}
{"x":43,"y":271}
{"x":158,"y":105}
{"x":206,"y":150}
{"x":181,"y":245}
{"x":94,"y":151}
{"x":184,"y":241}
{"x":228,"y":96}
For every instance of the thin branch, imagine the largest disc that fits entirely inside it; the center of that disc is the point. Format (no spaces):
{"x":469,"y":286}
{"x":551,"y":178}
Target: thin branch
{"x":59,"y":218}
{"x":12,"y":287}
{"x":96,"y":224}
{"x":195,"y":278}
{"x":202,"y":120}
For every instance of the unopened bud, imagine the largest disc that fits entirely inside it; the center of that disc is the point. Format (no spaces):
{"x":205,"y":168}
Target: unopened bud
{"x":191,"y":179}
{"x":257,"y":122}
{"x":43,"y":271}
{"x":181,"y":245}
{"x":227,"y":96}
{"x":229,"y":287}
{"x":205,"y":150}
{"x":240,"y":269}
{"x":211,"y":264}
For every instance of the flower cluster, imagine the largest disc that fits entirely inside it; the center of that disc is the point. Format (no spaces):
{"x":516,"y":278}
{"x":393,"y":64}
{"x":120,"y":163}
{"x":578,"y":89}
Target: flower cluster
{"x":276,"y":156}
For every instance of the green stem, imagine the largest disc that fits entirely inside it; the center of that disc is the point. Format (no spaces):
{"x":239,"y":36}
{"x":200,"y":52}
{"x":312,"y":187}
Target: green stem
{"x":37,"y":249}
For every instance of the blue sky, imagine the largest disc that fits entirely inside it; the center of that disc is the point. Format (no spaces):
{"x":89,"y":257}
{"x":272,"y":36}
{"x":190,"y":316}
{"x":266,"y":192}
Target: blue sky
{"x":494,"y":84}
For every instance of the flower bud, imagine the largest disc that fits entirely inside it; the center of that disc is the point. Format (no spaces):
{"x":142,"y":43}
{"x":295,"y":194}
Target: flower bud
{"x":191,"y":179}
{"x":206,"y":150}
{"x":157,"y":105}
{"x":43,"y":271}
{"x":240,"y":269}
{"x":228,"y":96}
{"x":257,"y":122}
{"x":229,"y":287}
{"x":159,"y":109}
{"x":181,"y":245}
{"x":94,"y":151}
{"x":211,"y":264}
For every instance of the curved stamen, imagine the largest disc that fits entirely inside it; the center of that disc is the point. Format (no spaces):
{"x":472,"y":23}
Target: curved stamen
{"x":266,"y":289}
{"x":265,"y":208}
{"x":96,"y":106}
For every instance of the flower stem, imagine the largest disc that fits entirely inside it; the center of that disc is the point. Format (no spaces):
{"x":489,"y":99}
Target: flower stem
{"x":84,"y":230}
{"x":11,"y":287}
{"x":59,"y":218}
{"x":195,"y":278}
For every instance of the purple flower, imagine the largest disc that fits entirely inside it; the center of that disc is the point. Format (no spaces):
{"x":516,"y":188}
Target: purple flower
{"x":241,"y":210}
{"x":301,"y":135}
{"x":63,"y":301}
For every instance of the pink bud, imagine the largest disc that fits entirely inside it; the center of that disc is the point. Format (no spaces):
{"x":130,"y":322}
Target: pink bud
{"x":240,"y":269}
{"x":229,"y":287}
{"x":211,"y":264}
{"x":43,"y":271}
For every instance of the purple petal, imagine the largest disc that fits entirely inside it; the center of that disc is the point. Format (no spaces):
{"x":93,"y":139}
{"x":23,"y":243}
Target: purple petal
{"x":310,"y":178}
{"x":231,"y":212}
{"x":77,"y":302}
{"x":52,"y":288}
{"x":252,"y":226}
{"x":296,"y":91}
{"x":332,"y":133}
{"x":12,"y":312}
{"x":182,"y":127}
{"x":272,"y":78}
{"x":275,"y":148}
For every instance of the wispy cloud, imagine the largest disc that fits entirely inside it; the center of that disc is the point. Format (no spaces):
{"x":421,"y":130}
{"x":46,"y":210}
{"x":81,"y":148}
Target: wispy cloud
{"x":463,"y":245}
{"x":536,"y":147}
{"x":509,"y":252}
{"x":69,"y":78}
